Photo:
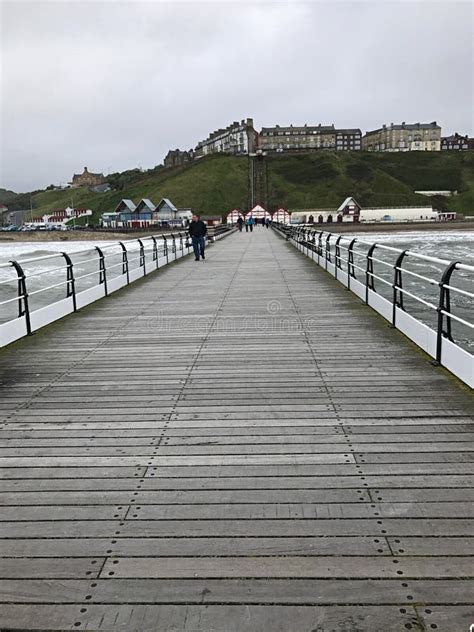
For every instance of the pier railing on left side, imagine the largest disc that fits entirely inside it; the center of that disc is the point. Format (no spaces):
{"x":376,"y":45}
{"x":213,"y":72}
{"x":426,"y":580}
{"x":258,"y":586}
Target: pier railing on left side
{"x":37,"y":291}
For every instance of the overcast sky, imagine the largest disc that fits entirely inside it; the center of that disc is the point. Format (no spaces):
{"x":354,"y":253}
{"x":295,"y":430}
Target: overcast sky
{"x":114,"y":85}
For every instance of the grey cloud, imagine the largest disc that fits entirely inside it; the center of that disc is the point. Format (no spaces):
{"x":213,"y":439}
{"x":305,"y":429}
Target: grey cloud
{"x":113,"y":85}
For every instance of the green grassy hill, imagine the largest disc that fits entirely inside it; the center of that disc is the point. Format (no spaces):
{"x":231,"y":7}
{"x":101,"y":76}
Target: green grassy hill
{"x":323,"y":180}
{"x":217,"y":184}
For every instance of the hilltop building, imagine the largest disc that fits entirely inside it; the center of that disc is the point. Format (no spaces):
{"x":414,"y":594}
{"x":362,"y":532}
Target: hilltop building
{"x":309,"y":138}
{"x":404,"y":137}
{"x":178,"y":158}
{"x":348,"y":140}
{"x":297,"y":138}
{"x":237,"y":138}
{"x":87,"y":179}
{"x":455,"y":142}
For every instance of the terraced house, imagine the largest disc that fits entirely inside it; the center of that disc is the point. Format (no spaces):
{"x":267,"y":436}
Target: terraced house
{"x":237,"y":138}
{"x":404,"y":137}
{"x":309,"y":137}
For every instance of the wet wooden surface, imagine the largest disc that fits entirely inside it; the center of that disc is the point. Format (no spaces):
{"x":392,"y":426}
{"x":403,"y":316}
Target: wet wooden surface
{"x":234,"y":445}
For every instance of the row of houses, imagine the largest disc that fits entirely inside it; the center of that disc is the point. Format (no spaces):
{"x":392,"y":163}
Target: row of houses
{"x":348,"y":211}
{"x":60,"y":218}
{"x":127,"y":214}
{"x":145,"y":214}
{"x":241,"y":138}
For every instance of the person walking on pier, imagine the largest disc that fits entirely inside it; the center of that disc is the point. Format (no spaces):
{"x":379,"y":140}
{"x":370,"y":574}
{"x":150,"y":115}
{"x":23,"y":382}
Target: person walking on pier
{"x":198,"y":231}
{"x":249,"y":222}
{"x":240,"y":223}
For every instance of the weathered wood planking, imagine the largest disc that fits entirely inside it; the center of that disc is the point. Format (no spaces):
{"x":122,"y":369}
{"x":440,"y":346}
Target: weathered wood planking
{"x":234,"y":445}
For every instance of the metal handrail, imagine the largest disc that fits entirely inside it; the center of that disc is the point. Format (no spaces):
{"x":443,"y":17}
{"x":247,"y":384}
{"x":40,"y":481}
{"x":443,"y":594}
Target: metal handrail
{"x":319,"y":242}
{"x":143,"y":251}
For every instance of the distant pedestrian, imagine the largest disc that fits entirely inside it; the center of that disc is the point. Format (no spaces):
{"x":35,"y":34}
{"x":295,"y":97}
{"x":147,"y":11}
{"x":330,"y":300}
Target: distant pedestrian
{"x":267,"y":222}
{"x":198,"y":231}
{"x":263,"y":221}
{"x":249,"y":222}
{"x":240,"y":223}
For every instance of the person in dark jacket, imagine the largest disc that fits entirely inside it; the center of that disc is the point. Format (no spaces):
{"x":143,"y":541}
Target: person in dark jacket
{"x":240,"y":222}
{"x":198,"y":231}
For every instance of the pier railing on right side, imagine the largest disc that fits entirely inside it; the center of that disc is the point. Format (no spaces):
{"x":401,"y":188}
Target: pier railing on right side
{"x":431,"y":308}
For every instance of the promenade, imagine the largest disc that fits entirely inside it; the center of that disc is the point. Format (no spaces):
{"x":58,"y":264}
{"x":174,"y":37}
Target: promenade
{"x":234,"y":445}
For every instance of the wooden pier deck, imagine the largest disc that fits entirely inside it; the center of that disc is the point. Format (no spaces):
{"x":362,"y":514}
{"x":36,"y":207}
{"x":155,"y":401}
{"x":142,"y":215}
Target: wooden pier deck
{"x":234,"y":445}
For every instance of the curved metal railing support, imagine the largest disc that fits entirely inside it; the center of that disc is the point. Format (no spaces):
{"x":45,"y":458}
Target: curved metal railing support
{"x":444,"y":309}
{"x":102,"y":270}
{"x":70,"y":280}
{"x":328,"y":250}
{"x":398,"y":286}
{"x":125,"y":266}
{"x":155,"y":251}
{"x":369,"y":273}
{"x":23,"y":303}
{"x":142,"y":256}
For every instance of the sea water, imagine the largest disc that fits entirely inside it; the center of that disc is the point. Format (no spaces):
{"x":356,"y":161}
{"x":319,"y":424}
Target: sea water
{"x":46,"y":269}
{"x":452,"y":246}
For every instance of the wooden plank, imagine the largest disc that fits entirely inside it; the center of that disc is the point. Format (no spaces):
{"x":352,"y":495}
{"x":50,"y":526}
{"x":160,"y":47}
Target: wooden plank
{"x":321,"y":511}
{"x":431,"y":546}
{"x":302,"y":567}
{"x":420,"y":483}
{"x":45,"y":568}
{"x":203,"y":618}
{"x":195,"y":547}
{"x":181,"y":497}
{"x":241,"y":591}
{"x":462,"y":527}
{"x":196,"y":460}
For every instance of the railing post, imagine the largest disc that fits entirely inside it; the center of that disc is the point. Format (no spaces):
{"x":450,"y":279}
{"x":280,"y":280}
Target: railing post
{"x":23,"y":304}
{"x":71,"y":282}
{"x":102,"y":270}
{"x":328,"y":250}
{"x":142,"y":256}
{"x":444,"y":306}
{"x":320,"y":244}
{"x":369,"y":271}
{"x":350,"y":263}
{"x":338,"y":256}
{"x":155,"y":251}
{"x":125,"y":262}
{"x":397,"y":285}
{"x":181,"y":243}
{"x":313,"y":243}
{"x":165,"y":248}
{"x":173,"y":246}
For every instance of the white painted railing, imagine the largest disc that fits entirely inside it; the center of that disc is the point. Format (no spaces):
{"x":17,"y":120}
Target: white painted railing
{"x":371,"y":270}
{"x":41,"y":290}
